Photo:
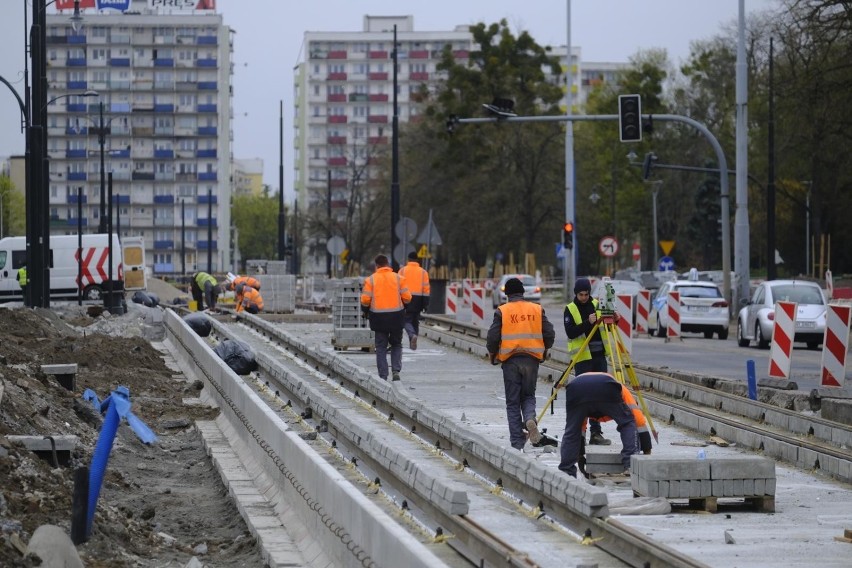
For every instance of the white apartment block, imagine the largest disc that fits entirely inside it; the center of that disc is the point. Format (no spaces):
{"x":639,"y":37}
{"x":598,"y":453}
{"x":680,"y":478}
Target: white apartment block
{"x":164,"y":81}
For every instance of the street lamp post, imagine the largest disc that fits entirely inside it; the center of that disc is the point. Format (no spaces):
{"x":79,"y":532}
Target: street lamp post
{"x":655,"y":187}
{"x":102,"y":132}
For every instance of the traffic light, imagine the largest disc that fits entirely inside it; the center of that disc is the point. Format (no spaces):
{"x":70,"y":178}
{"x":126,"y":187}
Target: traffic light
{"x":630,"y":118}
{"x":648,"y":164}
{"x":568,"y":235}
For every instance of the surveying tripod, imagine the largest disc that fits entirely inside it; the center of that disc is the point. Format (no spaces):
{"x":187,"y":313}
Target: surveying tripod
{"x":619,"y":360}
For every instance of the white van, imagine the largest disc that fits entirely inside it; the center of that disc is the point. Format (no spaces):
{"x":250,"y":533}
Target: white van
{"x":94,"y":269}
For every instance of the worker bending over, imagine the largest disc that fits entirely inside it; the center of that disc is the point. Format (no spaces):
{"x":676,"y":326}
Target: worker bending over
{"x":248,"y":299}
{"x":205,"y":288}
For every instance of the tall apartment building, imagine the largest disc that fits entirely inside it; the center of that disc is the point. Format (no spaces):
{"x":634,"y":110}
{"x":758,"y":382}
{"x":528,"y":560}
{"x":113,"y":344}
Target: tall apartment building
{"x":164,"y":85}
{"x":344,"y":100}
{"x":248,"y":176}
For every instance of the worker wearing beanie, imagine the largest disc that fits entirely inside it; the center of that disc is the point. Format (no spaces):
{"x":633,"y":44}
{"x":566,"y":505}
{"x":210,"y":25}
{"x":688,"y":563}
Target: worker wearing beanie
{"x":519,"y":337}
{"x":579,"y":318}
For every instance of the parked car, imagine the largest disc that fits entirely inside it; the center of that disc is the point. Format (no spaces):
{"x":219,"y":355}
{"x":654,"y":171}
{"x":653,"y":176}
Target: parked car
{"x":620,"y":287}
{"x":757,"y":318}
{"x":532,"y":291}
{"x":703,"y":309}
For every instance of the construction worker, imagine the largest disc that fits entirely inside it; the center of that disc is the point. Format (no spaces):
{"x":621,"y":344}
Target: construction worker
{"x":22,"y":280}
{"x":233,"y":280}
{"x":204,"y":288}
{"x":600,"y":396}
{"x":519,"y":337}
{"x":417,"y":281}
{"x":579,"y":318}
{"x":248,"y":299}
{"x":383,"y":299}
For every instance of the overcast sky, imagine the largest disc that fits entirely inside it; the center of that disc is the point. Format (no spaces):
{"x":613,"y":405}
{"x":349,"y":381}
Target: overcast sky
{"x":268,"y":44}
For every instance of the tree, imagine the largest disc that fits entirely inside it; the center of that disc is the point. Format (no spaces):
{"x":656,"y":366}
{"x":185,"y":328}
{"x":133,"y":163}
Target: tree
{"x":12,"y":205}
{"x":256,"y":218}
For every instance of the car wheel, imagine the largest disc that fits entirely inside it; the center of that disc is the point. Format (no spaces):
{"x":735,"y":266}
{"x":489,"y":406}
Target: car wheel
{"x":758,"y":336}
{"x":93,"y":292}
{"x":723,"y":333}
{"x":741,"y":340}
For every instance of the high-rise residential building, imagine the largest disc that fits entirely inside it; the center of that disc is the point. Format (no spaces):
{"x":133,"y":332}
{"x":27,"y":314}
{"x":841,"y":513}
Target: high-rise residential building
{"x":161,"y":124}
{"x":344,"y":105}
{"x":248,"y":176}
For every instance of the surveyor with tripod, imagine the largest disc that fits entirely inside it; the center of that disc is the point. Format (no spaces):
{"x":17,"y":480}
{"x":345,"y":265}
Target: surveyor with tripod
{"x":579,"y":318}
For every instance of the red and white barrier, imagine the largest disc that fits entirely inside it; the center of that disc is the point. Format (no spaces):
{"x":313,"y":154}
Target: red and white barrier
{"x":673,"y":313}
{"x":451,"y":305}
{"x":643,"y":307}
{"x":782,"y":340}
{"x":477,"y":307}
{"x":834,"y":345}
{"x":467,"y":284}
{"x":624,"y":308}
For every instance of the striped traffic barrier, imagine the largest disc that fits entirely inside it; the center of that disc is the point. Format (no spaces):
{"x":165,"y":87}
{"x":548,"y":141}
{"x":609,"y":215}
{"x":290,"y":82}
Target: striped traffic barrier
{"x":673,"y":311}
{"x":451,"y":306}
{"x":477,"y":306}
{"x":643,"y":307}
{"x":834,"y":345}
{"x":467,"y":284}
{"x":782,"y":340}
{"x":624,"y":308}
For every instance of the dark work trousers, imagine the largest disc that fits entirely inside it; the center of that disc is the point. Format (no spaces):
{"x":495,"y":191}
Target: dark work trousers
{"x":383,"y":339}
{"x":520,"y":374}
{"x":576,"y":414}
{"x":197,"y":294}
{"x":412,"y":324}
{"x":596,"y":363}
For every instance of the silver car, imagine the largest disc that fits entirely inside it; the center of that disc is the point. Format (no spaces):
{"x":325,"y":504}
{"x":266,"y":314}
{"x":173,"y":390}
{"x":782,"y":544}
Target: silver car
{"x":757,"y":318}
{"x":703,"y":309}
{"x":532,"y":291}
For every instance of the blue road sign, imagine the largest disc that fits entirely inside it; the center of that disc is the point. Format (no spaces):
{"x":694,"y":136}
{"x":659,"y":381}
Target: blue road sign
{"x":666,"y":264}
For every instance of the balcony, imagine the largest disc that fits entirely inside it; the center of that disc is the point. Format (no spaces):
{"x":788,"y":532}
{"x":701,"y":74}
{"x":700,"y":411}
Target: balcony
{"x":121,"y":199}
{"x":72,"y":221}
{"x":339,"y":76}
{"x":164,"y":62}
{"x":76,"y":85}
{"x":163,"y":199}
{"x":207,"y":223}
{"x":186,"y":176}
{"x":119,"y":62}
{"x":378,"y":55}
{"x":75,"y":62}
{"x":207,"y":40}
{"x":75,"y":107}
{"x":164,"y":268}
{"x":461,"y":54}
{"x":207,"y":85}
{"x":73,"y":199}
{"x":377,"y":119}
{"x":207,"y":130}
{"x":206,"y":63}
{"x":77,"y":176}
{"x":142,"y":130}
{"x":207,"y":108}
{"x":164,"y":176}
{"x":164,"y":245}
{"x":337,"y":119}
{"x":336,"y":140}
{"x":377,"y":140}
{"x":77,"y":39}
{"x":56,"y":40}
{"x":164,"y":131}
{"x":164,"y":85}
{"x":76,"y":130}
{"x":202,"y":199}
{"x":339,"y":182}
{"x":418,"y":54}
{"x":208,"y":176}
{"x":143,"y":176}
{"x":358,"y":97}
{"x":418,"y":76}
{"x":378,"y":98}
{"x":336,"y":98}
{"x":208,"y":153}
{"x":76,"y":153}
{"x":337,"y":54}
{"x":164,"y":153}
{"x":337,"y":161}
{"x":164,"y":107}
{"x":377,"y":76}
{"x":204,"y":245}
{"x":124,"y":153}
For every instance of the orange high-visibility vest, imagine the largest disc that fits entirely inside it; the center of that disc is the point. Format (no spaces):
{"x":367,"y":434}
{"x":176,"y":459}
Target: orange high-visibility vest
{"x":384,"y":291}
{"x":638,"y":416}
{"x":415,"y":278}
{"x":252,"y":297}
{"x":247,"y":280}
{"x":521,"y":331}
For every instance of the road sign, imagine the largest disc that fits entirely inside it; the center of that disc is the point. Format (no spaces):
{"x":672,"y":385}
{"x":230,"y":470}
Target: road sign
{"x":405,"y":229}
{"x":335,"y":245}
{"x":667,"y":247}
{"x":401,"y":250}
{"x":666,"y":264}
{"x":423,"y":252}
{"x":608,"y":246}
{"x":637,"y":251}
{"x":561,"y":251}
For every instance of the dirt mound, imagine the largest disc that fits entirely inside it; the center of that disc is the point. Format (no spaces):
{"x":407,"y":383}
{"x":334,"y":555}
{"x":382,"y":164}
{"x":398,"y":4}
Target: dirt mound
{"x":160,"y":505}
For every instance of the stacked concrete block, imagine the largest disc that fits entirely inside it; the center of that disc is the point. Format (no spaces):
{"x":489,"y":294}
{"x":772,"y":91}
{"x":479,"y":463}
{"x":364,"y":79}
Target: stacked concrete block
{"x":703,"y":481}
{"x":351,"y":328}
{"x":279,"y":293}
{"x":599,"y":463}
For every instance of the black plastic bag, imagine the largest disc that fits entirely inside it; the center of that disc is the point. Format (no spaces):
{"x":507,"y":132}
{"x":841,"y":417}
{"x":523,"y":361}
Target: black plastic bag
{"x":141,"y":297}
{"x":199,"y":323}
{"x":238,"y":356}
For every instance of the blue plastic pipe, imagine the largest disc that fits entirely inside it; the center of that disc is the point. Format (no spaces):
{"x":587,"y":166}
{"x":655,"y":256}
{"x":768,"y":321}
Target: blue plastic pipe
{"x":752,"y":380}
{"x":103,"y":449}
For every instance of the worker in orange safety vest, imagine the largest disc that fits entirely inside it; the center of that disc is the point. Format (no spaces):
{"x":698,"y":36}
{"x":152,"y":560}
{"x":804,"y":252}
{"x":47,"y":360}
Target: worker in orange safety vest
{"x":383,"y":298}
{"x":416,"y":279}
{"x":248,"y":299}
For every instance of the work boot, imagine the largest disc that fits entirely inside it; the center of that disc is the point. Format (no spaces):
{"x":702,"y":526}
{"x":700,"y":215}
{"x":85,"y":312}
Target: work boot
{"x":597,"y":439}
{"x":412,"y":343}
{"x":532,"y":428}
{"x":395,"y":376}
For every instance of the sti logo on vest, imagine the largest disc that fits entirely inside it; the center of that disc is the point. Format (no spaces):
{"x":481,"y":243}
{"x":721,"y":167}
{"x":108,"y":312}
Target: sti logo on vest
{"x":517,"y":318}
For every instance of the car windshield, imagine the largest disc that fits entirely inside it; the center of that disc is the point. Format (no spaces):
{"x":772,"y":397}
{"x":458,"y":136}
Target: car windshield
{"x":525,"y":279}
{"x":798,"y":294}
{"x":687,"y":291}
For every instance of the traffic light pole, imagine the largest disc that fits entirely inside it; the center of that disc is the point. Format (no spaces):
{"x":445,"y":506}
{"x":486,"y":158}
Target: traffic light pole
{"x":723,"y":180}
